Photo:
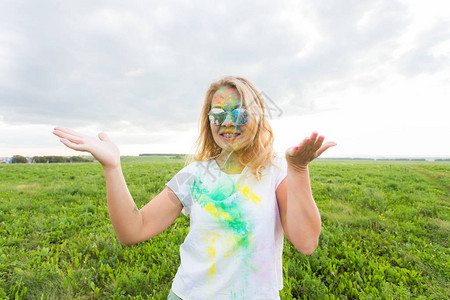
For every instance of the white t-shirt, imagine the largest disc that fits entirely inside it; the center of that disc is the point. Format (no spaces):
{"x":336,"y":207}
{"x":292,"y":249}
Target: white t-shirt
{"x":235,"y":242}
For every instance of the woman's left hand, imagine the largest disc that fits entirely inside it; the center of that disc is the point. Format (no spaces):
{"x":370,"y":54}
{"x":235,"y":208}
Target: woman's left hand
{"x":300,"y":156}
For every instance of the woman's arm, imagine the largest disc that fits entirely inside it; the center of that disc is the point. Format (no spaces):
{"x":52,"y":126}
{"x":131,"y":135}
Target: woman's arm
{"x":299,"y":214}
{"x":130,"y":224}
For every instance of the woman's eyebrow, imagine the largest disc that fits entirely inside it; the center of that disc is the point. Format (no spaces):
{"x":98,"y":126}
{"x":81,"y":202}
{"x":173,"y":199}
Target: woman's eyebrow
{"x":222,"y":106}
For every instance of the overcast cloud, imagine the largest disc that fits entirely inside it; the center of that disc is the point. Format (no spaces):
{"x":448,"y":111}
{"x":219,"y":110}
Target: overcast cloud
{"x":141,"y":68}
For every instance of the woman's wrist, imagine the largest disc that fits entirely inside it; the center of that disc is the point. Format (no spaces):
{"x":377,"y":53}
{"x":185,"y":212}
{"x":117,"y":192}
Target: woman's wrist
{"x":298,"y":169}
{"x":107,"y":168}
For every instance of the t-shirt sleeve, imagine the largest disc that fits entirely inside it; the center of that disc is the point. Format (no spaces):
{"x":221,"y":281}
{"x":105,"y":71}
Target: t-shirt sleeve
{"x":181,"y":185}
{"x":281,"y":171}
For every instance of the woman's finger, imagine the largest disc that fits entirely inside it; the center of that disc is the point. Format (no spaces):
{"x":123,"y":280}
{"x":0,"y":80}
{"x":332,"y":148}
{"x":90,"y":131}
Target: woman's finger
{"x":103,"y":137}
{"x":319,"y":142}
{"x":301,"y":145}
{"x":309,"y":144}
{"x":70,"y":137}
{"x":291,"y":151}
{"x":313,"y":136}
{"x":325,"y":147}
{"x":72,"y":145}
{"x":68,"y":130}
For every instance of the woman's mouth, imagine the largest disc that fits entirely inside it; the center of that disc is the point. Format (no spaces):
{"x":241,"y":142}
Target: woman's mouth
{"x":229,"y":136}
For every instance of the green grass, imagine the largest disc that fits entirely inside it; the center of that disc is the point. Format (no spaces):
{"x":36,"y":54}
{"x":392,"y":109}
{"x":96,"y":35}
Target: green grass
{"x":152,"y":159}
{"x":385,"y":233}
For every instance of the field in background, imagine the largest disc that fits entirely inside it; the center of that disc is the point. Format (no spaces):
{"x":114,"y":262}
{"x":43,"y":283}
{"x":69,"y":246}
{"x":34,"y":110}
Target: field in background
{"x":385,"y":233}
{"x":152,"y":159}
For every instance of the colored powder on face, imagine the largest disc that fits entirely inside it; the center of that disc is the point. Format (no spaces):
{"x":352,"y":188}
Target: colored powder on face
{"x":217,"y":101}
{"x":228,"y":99}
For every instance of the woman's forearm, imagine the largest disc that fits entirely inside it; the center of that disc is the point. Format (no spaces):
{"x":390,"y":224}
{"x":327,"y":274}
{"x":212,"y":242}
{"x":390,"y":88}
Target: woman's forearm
{"x":303,"y":217}
{"x":125,"y":217}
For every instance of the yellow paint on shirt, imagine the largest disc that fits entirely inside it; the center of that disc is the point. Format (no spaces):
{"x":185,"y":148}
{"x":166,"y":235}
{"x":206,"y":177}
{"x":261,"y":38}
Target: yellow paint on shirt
{"x":211,"y":238}
{"x":212,"y":269}
{"x":249,"y":195}
{"x":211,"y":250}
{"x":231,"y":241}
{"x":213,"y":210}
{"x":225,"y":215}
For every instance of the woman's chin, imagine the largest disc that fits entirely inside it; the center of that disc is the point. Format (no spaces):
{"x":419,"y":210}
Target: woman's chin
{"x":235,"y":147}
{"x":232,"y":145}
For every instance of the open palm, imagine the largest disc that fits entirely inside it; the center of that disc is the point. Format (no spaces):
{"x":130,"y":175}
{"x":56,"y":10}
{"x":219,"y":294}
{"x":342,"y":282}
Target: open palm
{"x":309,"y":149}
{"x":105,"y":151}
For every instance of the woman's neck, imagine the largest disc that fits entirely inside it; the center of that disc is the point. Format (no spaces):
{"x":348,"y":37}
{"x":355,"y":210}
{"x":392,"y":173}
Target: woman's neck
{"x":229,"y":162}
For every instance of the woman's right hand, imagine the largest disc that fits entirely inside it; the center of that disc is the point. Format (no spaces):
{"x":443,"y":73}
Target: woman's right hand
{"x":105,"y":151}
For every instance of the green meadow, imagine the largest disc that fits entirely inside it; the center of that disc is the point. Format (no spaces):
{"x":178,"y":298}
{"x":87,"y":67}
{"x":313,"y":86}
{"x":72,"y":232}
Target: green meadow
{"x":385,"y":233}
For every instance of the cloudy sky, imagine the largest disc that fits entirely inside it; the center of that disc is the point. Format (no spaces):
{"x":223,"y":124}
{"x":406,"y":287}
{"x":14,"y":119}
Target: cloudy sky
{"x":371,"y":75}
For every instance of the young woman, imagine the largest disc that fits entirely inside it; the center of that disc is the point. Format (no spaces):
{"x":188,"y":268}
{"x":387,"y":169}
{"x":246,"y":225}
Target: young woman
{"x":240,"y":197}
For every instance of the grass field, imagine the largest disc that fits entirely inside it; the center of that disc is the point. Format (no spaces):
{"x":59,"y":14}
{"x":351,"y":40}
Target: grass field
{"x":152,"y":159}
{"x":385,"y":234}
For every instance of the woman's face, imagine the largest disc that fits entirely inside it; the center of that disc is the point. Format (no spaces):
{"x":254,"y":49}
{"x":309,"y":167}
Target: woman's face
{"x":228,"y":136}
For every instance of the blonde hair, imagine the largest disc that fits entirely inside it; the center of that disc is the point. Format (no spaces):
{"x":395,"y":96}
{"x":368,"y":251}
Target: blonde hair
{"x":258,"y":152}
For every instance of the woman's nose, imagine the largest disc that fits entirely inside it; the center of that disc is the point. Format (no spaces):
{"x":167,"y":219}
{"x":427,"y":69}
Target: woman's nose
{"x":227,"y":122}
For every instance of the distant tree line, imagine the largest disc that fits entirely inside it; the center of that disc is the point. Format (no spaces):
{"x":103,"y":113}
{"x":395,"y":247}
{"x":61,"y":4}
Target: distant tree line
{"x":19,"y":159}
{"x":162,"y":154}
{"x":60,"y":159}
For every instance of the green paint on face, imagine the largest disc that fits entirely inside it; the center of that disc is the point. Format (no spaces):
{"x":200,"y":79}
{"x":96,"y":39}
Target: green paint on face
{"x":226,"y":98}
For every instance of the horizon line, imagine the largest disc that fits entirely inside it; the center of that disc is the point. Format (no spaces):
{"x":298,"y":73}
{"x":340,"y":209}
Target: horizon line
{"x":343,"y":156}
